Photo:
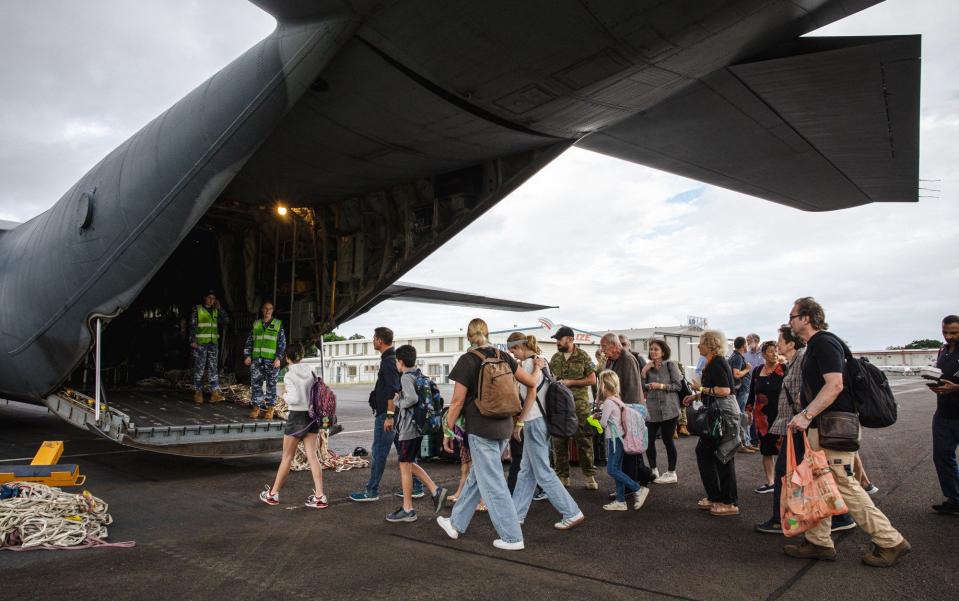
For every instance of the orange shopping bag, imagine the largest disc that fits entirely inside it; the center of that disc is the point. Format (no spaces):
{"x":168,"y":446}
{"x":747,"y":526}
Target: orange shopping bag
{"x":810,"y":493}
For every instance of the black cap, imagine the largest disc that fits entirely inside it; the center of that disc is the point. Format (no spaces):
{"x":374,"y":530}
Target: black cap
{"x":209,"y":292}
{"x":563,"y":331}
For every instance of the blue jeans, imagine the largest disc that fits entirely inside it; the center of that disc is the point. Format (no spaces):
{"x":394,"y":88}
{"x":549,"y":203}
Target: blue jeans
{"x":614,"y":467}
{"x":486,"y":482}
{"x":382,"y":442}
{"x":945,"y":439}
{"x":742,"y":395}
{"x":534,"y":469}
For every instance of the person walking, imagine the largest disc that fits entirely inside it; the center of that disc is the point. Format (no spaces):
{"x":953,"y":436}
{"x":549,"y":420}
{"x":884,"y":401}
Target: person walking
{"x":793,"y":349}
{"x":297,"y":384}
{"x":662,"y":382}
{"x":945,"y":422}
{"x":409,"y":439}
{"x":487,"y":437}
{"x":763,"y":406}
{"x":716,"y":458}
{"x":612,"y":422}
{"x":573,"y":367}
{"x":382,"y":402}
{"x":262,"y":353}
{"x":534,"y":465}
{"x":823,"y":392}
{"x":205,"y":323}
{"x":627,"y":369}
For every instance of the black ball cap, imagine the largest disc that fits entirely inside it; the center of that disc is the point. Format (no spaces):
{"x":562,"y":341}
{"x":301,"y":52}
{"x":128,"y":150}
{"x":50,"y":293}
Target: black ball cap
{"x":563,"y":331}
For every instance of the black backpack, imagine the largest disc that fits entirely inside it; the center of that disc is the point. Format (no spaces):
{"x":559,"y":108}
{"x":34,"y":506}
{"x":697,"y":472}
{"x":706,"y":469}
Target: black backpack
{"x":560,"y":410}
{"x":871,"y":394}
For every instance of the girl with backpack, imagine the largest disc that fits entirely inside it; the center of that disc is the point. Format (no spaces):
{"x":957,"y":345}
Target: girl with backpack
{"x":534,"y":465}
{"x":298,"y":382}
{"x":612,"y":421}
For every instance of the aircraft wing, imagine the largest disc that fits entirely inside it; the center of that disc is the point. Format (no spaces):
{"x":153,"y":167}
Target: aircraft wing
{"x":824,"y":124}
{"x":406,"y":291}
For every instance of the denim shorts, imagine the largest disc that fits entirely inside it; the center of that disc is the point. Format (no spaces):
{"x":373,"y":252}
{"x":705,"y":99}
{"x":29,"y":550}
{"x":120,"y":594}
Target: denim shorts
{"x":298,"y":424}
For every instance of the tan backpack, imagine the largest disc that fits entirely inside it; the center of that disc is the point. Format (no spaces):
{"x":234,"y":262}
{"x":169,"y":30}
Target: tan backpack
{"x":496,"y":387}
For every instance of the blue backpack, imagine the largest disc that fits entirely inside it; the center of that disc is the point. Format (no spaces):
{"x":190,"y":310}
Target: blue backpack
{"x":428,"y":411}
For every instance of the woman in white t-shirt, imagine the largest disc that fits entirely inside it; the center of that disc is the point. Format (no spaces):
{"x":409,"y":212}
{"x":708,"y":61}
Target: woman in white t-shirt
{"x":531,"y":429}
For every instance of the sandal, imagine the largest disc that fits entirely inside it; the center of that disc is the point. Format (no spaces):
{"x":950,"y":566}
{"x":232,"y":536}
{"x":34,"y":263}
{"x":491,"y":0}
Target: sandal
{"x":451,"y":499}
{"x":722,"y":509}
{"x":481,"y":507}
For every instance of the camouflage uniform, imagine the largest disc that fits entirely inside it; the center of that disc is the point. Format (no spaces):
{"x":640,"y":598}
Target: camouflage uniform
{"x":577,"y":367}
{"x":262,"y":371}
{"x":206,"y":357}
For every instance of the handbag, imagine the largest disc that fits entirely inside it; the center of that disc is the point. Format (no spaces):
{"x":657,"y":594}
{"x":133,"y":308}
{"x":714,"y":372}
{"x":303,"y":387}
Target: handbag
{"x":809,"y":493}
{"x":707,"y":422}
{"x":839,"y":431}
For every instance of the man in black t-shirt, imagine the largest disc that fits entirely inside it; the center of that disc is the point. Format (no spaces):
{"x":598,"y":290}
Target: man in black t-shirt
{"x":945,"y":422}
{"x":822,"y":392}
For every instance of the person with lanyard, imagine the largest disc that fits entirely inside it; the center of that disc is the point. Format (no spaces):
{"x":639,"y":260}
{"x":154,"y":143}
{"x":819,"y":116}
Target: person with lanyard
{"x":716,"y":458}
{"x":205,"y":322}
{"x":945,"y":422}
{"x":488,"y":438}
{"x":262,"y":353}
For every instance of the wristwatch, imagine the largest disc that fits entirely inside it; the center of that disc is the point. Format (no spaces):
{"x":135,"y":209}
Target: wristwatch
{"x":805,"y":413}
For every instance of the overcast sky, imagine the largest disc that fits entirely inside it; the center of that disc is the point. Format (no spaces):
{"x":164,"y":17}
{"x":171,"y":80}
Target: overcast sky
{"x":614,"y":244}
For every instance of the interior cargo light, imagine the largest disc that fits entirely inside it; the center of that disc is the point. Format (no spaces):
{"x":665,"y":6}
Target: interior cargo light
{"x":281,"y":210}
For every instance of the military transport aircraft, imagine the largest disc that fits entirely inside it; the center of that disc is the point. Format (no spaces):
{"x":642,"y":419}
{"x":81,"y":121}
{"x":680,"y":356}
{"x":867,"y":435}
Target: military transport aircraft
{"x":382,"y":129}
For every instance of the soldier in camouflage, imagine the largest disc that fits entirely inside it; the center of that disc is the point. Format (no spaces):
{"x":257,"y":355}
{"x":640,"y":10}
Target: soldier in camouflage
{"x":262,"y":352}
{"x":573,"y":367}
{"x":205,"y":322}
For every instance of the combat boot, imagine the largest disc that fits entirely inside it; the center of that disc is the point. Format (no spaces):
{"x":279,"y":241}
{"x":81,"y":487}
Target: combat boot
{"x":216,"y":397}
{"x":808,"y":550}
{"x":683,"y":431}
{"x":886,"y":557}
{"x":254,"y":412}
{"x":269,"y":413}
{"x":591,"y":483}
{"x":198,"y":397}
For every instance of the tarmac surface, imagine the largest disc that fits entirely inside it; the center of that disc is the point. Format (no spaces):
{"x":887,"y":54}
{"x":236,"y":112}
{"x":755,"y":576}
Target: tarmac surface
{"x":201,"y":531}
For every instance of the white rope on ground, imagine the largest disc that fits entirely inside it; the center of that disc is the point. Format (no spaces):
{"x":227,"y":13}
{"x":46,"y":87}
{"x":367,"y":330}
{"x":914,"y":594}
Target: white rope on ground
{"x":42,"y":517}
{"x":329,"y":458}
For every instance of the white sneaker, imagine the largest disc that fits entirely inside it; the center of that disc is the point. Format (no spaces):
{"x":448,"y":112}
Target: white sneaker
{"x":667,"y":478}
{"x":501,"y":544}
{"x":640,"y":498}
{"x":568,"y":523}
{"x":447,"y":527}
{"x":655,"y":473}
{"x":616,"y":506}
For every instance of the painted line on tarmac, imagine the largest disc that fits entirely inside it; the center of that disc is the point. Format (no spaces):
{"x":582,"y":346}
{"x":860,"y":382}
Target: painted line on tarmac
{"x":354,"y":432}
{"x":79,"y":455}
{"x":910,"y":390}
{"x":545,"y":568}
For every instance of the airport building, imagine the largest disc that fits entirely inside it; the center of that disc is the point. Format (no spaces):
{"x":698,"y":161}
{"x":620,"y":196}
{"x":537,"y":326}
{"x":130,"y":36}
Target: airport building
{"x":356,"y":362}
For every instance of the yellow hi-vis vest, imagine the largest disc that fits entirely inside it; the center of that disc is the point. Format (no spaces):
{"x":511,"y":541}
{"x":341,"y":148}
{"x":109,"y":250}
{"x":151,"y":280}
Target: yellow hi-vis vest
{"x":264,"y":338}
{"x":206,"y":322}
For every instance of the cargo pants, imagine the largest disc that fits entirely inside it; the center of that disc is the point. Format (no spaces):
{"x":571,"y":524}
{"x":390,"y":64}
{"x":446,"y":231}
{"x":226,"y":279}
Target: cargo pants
{"x":262,"y":372}
{"x":206,"y":357}
{"x":584,"y":444}
{"x":872,"y":521}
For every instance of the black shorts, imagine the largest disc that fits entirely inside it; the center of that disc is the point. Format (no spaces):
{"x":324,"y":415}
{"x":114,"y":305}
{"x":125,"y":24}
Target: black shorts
{"x":409,"y":450}
{"x":769,"y":445}
{"x":298,"y":424}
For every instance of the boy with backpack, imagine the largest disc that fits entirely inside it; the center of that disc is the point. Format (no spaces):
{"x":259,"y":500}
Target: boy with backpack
{"x":414,"y":404}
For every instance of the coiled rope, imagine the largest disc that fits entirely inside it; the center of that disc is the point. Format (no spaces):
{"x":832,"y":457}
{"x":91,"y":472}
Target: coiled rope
{"x":41,"y":517}
{"x":329,"y":458}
